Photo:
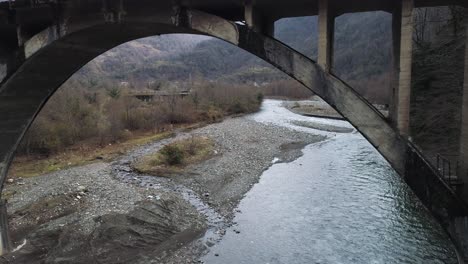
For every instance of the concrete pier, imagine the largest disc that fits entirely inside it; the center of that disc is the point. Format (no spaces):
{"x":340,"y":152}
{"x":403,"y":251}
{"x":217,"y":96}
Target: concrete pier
{"x":253,"y":18}
{"x":396,"y":42}
{"x":14,"y":60}
{"x":256,"y":21}
{"x":463,"y":153}
{"x":326,"y":35}
{"x":403,"y":59}
{"x":5,"y":244}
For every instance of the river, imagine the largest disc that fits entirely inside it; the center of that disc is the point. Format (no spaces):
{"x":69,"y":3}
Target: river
{"x":341,"y":202}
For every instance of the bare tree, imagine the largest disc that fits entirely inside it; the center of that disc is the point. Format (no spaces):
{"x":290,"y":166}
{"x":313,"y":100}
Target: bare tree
{"x":457,"y":17}
{"x":420,"y":27}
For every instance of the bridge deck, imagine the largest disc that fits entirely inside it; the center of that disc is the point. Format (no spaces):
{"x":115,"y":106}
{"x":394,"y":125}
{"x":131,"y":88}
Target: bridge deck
{"x":277,"y":9}
{"x":36,"y":18}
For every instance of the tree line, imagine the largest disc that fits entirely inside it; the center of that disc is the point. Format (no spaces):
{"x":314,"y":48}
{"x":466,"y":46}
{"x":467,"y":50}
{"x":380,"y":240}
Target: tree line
{"x":76,"y":114}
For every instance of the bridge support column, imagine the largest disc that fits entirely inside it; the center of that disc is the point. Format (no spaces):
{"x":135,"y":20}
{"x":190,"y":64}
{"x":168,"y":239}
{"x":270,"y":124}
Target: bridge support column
{"x":463,"y":153}
{"x":256,"y":21}
{"x":269,"y":28}
{"x":251,"y":16}
{"x":14,"y":61}
{"x":326,"y":35}
{"x":5,"y":244}
{"x":403,"y":59}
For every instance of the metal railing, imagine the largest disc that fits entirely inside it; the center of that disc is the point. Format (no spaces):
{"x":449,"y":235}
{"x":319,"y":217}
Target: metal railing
{"x":448,"y":168}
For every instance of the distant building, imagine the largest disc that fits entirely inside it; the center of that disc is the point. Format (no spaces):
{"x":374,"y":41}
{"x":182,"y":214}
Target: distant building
{"x":124,"y":84}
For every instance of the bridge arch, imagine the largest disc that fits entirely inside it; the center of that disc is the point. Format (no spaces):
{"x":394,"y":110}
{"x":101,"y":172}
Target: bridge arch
{"x":53,"y":58}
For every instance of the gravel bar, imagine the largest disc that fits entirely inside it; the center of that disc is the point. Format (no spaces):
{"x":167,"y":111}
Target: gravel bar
{"x":90,"y":209}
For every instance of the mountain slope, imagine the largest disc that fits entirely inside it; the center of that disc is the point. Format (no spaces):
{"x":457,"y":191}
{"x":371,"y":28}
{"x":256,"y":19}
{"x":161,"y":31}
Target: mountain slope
{"x":177,"y":57}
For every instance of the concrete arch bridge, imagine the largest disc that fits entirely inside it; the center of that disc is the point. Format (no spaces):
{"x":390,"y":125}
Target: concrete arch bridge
{"x":43,"y":42}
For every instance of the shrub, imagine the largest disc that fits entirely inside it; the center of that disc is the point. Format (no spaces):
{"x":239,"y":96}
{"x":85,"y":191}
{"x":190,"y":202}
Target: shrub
{"x":237,"y":108}
{"x":260,"y":97}
{"x":114,"y":92}
{"x":126,"y":134}
{"x":192,"y":146}
{"x":172,"y":154}
{"x":173,"y":158}
{"x":286,"y":89}
{"x":212,"y":114}
{"x":76,"y":114}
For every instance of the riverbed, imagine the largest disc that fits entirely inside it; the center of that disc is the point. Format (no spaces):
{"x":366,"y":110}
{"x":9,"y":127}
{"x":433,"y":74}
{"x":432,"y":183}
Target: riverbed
{"x":280,"y":188}
{"x":340,"y":202}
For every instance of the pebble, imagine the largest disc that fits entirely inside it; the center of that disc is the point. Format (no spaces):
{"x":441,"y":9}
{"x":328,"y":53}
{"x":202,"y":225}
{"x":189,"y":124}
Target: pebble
{"x":241,"y":163}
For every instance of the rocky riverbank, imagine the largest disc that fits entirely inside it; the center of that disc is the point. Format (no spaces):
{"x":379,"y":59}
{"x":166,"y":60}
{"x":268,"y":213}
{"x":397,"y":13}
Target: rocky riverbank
{"x":316,"y":107}
{"x":107,"y":213}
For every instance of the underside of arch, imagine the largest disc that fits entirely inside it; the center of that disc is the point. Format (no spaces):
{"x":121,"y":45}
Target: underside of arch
{"x":51,"y":62}
{"x":55,"y":54}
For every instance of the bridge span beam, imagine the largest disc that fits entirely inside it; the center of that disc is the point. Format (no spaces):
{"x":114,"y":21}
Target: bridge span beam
{"x":326,"y":35}
{"x":256,"y":21}
{"x":463,"y":152}
{"x":403,"y":59}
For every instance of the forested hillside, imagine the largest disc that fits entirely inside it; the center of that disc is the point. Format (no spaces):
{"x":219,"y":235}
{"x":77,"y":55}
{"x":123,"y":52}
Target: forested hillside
{"x":363,"y":49}
{"x":363,"y":52}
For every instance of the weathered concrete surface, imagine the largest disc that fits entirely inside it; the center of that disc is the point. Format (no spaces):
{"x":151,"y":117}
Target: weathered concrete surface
{"x":53,"y":58}
{"x":403,"y":92}
{"x":396,"y":42}
{"x":463,"y":158}
{"x":48,"y":12}
{"x":4,"y":234}
{"x":257,"y":21}
{"x":326,"y":35}
{"x":253,"y":18}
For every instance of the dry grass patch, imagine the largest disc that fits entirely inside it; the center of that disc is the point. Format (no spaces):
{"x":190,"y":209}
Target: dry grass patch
{"x":174,"y":157}
{"x":30,"y":166}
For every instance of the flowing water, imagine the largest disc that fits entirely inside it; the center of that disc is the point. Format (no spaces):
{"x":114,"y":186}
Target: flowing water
{"x":339,"y":203}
